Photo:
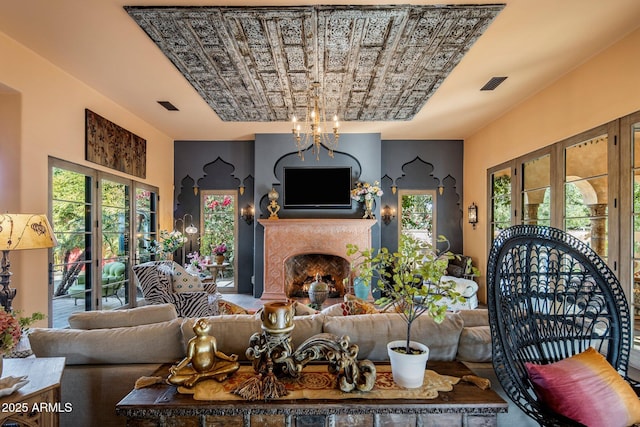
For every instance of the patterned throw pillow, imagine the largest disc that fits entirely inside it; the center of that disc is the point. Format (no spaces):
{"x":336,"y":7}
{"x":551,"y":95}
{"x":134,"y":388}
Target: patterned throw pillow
{"x":352,"y":306}
{"x":185,"y":282}
{"x":587,"y":389}
{"x":226,"y":307}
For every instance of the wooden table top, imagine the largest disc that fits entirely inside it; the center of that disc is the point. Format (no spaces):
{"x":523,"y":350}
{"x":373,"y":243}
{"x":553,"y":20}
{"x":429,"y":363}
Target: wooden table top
{"x":464,"y":397}
{"x":43,"y":373}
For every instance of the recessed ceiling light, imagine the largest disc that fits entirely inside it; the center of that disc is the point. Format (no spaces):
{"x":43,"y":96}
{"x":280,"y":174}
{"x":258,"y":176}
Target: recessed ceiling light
{"x":169,"y":106}
{"x":493,"y":83}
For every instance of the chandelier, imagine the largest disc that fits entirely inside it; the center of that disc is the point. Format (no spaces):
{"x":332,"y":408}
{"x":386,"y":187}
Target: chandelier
{"x":315,"y":130}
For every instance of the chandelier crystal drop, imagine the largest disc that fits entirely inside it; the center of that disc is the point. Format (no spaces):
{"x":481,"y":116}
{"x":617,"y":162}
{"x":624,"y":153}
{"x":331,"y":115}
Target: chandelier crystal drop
{"x":313,"y":130}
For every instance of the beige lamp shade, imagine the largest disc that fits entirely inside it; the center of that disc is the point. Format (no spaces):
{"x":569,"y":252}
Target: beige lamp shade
{"x":25,"y":231}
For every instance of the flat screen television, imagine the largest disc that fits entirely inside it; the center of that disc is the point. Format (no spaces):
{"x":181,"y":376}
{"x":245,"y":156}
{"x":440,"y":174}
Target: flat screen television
{"x":317,"y":187}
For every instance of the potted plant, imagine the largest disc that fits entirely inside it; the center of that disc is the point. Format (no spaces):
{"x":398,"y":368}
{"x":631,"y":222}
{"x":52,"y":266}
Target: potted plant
{"x":219,"y":252}
{"x":409,"y":281}
{"x":361,"y":262}
{"x":169,"y":242}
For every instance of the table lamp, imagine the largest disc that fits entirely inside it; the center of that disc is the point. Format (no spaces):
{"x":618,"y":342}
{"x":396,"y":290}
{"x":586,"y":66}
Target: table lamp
{"x":17,"y":232}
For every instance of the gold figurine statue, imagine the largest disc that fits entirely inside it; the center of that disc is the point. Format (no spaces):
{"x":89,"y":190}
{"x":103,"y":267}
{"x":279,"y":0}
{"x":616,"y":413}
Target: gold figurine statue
{"x":273,"y":207}
{"x":203,"y":359}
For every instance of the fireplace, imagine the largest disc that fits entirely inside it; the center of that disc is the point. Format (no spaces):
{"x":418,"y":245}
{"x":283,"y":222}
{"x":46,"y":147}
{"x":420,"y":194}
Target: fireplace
{"x":287,"y":238}
{"x":300,"y":272}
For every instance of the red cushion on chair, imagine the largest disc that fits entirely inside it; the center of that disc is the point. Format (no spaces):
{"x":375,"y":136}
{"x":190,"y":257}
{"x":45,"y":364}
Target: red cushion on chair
{"x":587,"y":389}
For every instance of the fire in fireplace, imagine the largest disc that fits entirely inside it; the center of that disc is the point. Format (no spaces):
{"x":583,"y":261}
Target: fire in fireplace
{"x":301,"y":270}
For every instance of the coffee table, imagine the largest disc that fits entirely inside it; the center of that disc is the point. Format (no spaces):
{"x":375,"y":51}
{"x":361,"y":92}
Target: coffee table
{"x":466,"y":404}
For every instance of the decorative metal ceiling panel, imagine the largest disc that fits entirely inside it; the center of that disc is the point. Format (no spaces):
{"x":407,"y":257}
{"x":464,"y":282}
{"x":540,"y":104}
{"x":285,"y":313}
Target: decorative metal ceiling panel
{"x":374,"y":63}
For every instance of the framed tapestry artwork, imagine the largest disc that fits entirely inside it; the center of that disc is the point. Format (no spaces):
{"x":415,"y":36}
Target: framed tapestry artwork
{"x":109,"y":145}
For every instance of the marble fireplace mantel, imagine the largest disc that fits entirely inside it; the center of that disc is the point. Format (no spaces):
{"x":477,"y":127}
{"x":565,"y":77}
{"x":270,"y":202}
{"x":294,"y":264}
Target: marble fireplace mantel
{"x":284,"y":238}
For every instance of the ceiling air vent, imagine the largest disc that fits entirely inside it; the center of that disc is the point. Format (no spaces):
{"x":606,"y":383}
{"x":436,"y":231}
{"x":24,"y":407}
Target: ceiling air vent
{"x":169,"y":106}
{"x":493,"y":83}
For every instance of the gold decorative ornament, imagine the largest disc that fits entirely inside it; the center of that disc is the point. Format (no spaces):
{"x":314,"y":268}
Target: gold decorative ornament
{"x":272,"y":356}
{"x":273,"y":203}
{"x":203,"y":360}
{"x":277,"y":317}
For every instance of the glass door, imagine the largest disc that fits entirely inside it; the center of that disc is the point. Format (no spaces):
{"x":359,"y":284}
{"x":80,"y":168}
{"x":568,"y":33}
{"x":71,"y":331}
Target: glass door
{"x":536,"y":191}
{"x":630,"y":242}
{"x":113,"y":271}
{"x":500,"y":201}
{"x":219,"y":233}
{"x":586,"y":192}
{"x":72,"y":216}
{"x":93,"y":224}
{"x":145,"y":226}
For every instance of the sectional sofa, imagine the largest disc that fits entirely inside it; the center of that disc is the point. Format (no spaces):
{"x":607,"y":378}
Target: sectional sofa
{"x":106,"y":352}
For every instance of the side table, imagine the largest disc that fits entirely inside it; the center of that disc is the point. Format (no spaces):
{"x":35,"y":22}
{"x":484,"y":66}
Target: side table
{"x":216,"y":269}
{"x":38,"y":402}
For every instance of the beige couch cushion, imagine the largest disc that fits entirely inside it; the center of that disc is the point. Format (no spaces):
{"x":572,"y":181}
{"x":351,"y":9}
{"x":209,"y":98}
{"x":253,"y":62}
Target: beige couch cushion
{"x":372,"y":333}
{"x":155,"y":343}
{"x":477,"y":317}
{"x":475,"y":344}
{"x":234,"y":331}
{"x":121,"y":318}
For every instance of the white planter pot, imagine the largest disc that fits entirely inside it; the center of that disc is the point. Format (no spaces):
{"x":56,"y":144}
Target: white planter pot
{"x":408,"y":369}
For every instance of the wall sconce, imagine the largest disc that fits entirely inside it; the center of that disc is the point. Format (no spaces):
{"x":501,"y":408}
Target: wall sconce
{"x":241,"y":188}
{"x":195,"y":189}
{"x":441,"y":189}
{"x":473,"y":215}
{"x":246,"y":213}
{"x":387,"y":214}
{"x":394,"y":189}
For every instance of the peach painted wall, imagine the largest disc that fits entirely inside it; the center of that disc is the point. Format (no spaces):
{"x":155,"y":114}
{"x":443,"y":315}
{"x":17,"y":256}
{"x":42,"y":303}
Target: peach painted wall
{"x":602,"y":89}
{"x":9,"y":148}
{"x":51,"y":107}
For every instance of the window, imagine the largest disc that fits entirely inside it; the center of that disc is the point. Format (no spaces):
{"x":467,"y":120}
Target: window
{"x":91,"y":215}
{"x":417,"y":213}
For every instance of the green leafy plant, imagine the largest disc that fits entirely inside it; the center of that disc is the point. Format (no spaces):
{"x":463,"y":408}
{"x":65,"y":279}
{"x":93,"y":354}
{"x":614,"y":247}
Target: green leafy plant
{"x":362,"y":262}
{"x":170,"y":241}
{"x":409,"y":279}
